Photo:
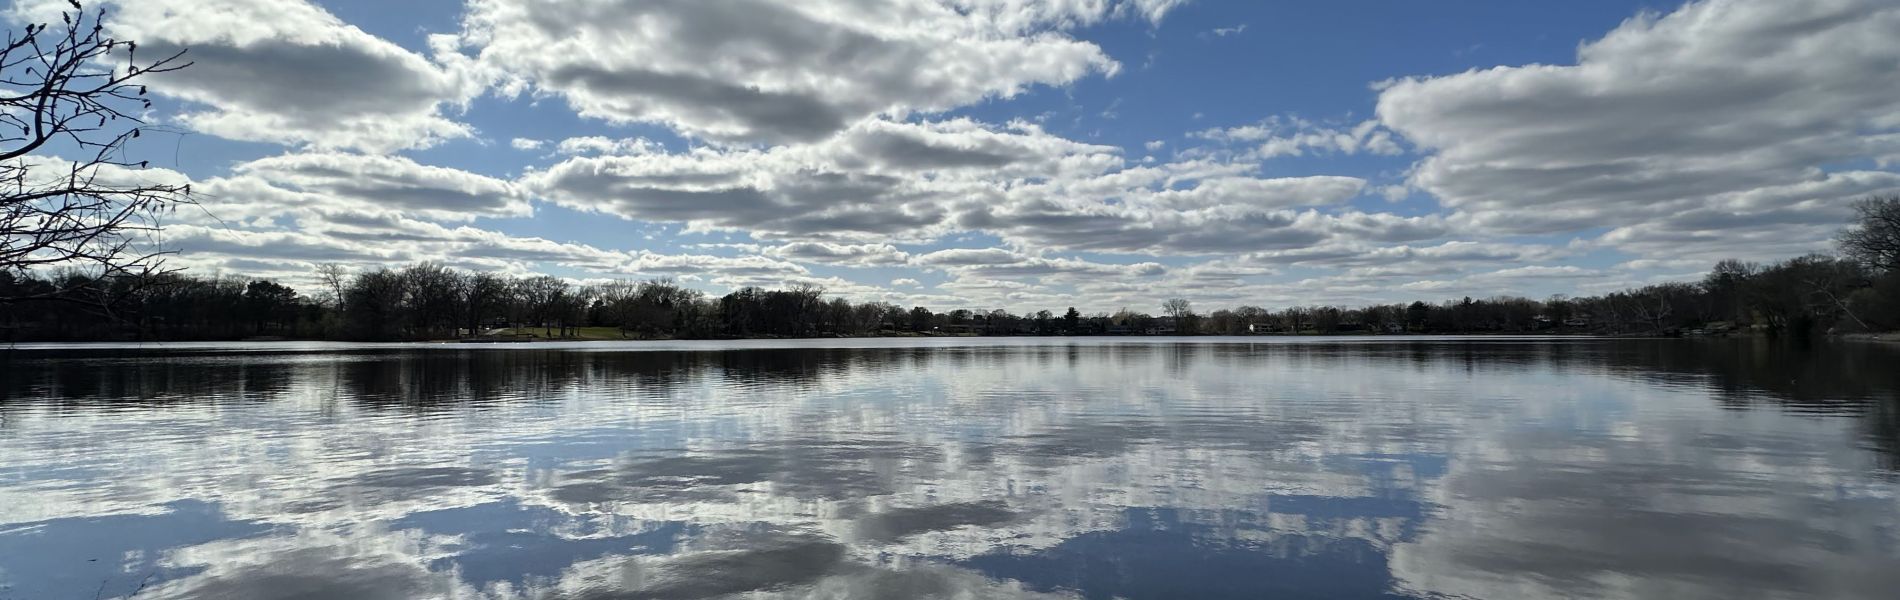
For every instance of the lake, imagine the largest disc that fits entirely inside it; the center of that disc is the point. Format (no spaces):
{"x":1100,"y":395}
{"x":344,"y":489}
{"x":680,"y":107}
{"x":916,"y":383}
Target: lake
{"x":953,"y":468}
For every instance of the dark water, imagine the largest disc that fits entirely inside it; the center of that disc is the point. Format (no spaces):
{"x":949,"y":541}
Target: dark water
{"x":941,"y":469}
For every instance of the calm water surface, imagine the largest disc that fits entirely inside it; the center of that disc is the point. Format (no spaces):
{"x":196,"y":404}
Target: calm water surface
{"x":1137,"y":468}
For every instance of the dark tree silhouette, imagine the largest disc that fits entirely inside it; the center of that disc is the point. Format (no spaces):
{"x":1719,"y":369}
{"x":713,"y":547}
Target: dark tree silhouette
{"x":1874,"y":240}
{"x":1800,"y":296}
{"x":69,"y":198}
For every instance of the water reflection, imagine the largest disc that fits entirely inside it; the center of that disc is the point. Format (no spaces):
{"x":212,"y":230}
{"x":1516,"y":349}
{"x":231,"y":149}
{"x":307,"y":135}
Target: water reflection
{"x":1482,"y":468}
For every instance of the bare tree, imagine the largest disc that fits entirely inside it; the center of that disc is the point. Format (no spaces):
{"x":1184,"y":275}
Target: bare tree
{"x":1178,"y":308}
{"x":486,"y":295}
{"x":333,"y":276}
{"x":1874,"y":240}
{"x":545,"y":297}
{"x":1185,"y":321}
{"x":432,"y":297}
{"x":75,"y":89}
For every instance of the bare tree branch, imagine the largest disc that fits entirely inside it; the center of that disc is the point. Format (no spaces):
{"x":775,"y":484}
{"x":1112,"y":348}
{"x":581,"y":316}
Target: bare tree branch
{"x":76,"y":91}
{"x":1874,"y":240}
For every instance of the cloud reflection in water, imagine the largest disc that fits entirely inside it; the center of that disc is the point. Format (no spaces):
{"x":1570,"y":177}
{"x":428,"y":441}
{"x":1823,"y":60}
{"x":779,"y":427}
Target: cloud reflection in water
{"x":1237,"y":468}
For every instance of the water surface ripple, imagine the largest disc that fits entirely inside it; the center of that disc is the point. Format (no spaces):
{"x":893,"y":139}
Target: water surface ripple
{"x":972,"y":468}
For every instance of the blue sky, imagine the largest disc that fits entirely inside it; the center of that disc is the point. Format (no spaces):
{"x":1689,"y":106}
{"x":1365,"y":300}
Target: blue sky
{"x":1020,"y":154}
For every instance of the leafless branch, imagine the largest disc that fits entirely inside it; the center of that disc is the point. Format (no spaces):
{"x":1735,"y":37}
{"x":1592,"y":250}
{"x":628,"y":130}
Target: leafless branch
{"x":71,"y":100}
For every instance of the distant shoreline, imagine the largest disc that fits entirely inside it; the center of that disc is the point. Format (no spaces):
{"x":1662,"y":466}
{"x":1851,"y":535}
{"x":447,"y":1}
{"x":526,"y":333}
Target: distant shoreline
{"x":1878,"y":338}
{"x":599,"y":336}
{"x":961,"y":336}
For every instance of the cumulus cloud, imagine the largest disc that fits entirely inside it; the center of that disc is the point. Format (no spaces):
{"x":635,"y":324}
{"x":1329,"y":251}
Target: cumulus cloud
{"x":290,"y":254}
{"x":849,"y":171}
{"x":1502,"y":280}
{"x":857,"y":255}
{"x":388,"y":183}
{"x":1138,"y":224}
{"x":596,"y":144}
{"x":1259,"y":193}
{"x":1291,"y":136}
{"x":1456,"y":252}
{"x":811,"y":134}
{"x":750,"y":190}
{"x":278,"y":217}
{"x":1723,"y":116}
{"x":378,"y":241}
{"x":999,"y":262}
{"x":784,"y":72}
{"x":876,"y":180}
{"x":884,"y":180}
{"x":288,"y":72}
{"x":652,"y":263}
{"x":967,"y":257}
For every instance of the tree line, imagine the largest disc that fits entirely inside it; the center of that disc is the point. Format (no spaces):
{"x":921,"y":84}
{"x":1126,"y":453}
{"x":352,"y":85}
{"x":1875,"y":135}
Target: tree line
{"x":1857,"y":291}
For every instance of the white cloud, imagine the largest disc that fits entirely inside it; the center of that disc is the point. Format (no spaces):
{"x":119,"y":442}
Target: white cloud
{"x":1713,"y":125}
{"x":1725,"y":128}
{"x":1227,"y":31}
{"x":857,"y":255}
{"x":374,"y":183}
{"x":1292,"y":136}
{"x":1361,"y":262}
{"x":1151,"y":10}
{"x":286,"y":71}
{"x":595,"y":144}
{"x":985,"y":264}
{"x":783,"y":72}
{"x":1253,"y":192}
{"x":884,"y":181}
{"x":651,"y":263}
{"x":969,"y":257}
{"x":1394,"y":193}
{"x":1184,"y":208}
{"x":1500,"y":281}
{"x":878,"y":180}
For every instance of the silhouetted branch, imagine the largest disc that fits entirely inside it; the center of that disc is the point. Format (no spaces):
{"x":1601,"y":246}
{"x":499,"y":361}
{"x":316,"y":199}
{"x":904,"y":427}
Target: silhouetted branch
{"x":75,"y":91}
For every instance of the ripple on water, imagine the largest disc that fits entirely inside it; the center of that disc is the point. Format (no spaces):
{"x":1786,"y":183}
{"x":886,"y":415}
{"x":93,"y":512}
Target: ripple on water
{"x":1370,"y":467}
